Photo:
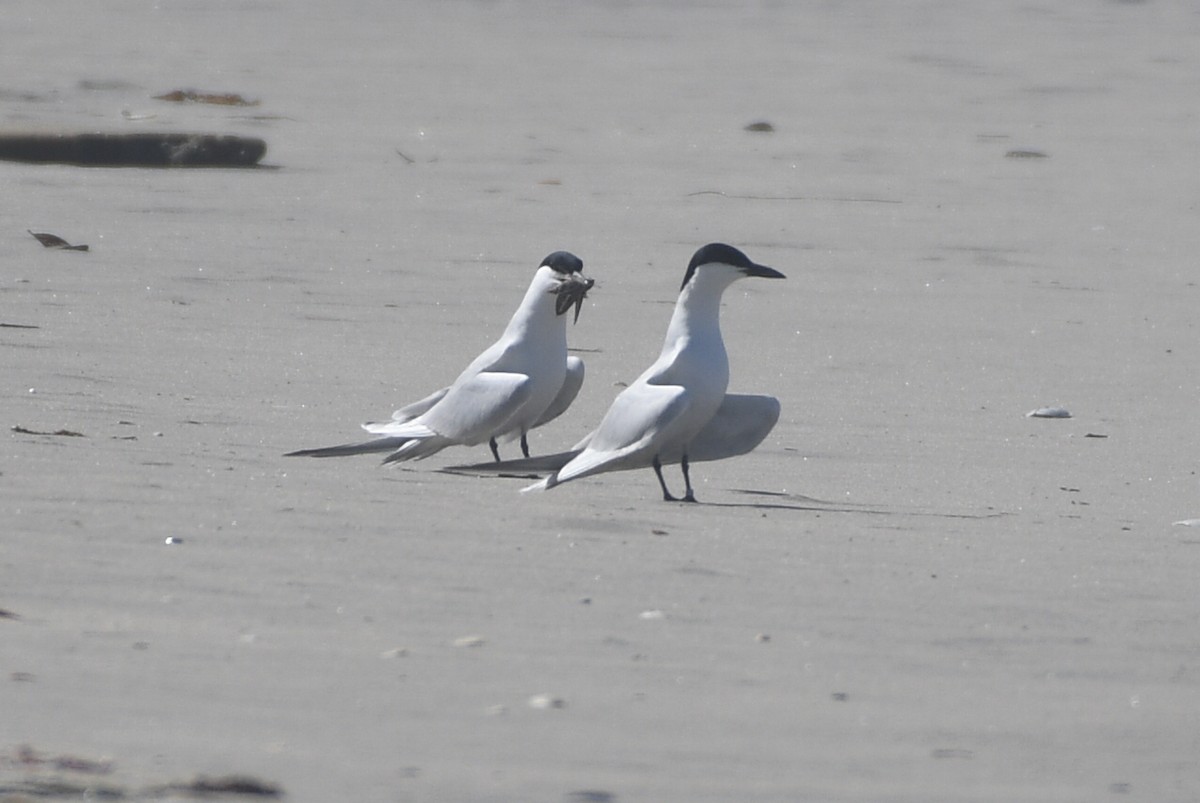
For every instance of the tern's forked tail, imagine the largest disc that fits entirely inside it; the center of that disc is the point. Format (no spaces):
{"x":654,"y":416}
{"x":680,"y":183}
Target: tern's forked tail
{"x":542,"y":485}
{"x":347,"y":449}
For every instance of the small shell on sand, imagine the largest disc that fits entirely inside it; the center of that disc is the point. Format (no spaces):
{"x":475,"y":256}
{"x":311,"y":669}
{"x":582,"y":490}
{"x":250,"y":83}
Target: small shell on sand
{"x":1049,"y":412}
{"x":1188,"y":523}
{"x":655,"y":614}
{"x":469,"y":641}
{"x":545,"y":702}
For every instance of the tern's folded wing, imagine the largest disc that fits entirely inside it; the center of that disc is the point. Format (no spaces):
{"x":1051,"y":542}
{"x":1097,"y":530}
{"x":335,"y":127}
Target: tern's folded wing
{"x":638,"y":415}
{"x":635,"y":428}
{"x":479,"y":408}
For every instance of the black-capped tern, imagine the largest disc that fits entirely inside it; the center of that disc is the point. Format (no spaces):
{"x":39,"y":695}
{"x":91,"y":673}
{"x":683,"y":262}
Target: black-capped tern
{"x":520,"y":382}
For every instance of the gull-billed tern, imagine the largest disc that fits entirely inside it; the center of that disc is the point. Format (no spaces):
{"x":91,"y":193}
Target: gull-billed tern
{"x":520,"y":382}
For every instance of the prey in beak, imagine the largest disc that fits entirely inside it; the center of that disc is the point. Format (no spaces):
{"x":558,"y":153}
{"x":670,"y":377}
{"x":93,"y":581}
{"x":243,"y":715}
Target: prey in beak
{"x":571,"y":292}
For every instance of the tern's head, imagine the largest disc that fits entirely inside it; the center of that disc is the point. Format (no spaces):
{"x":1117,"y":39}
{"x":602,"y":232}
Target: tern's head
{"x":722,"y":260}
{"x":570,"y":285}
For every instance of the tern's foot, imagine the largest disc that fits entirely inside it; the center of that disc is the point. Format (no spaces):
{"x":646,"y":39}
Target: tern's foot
{"x":689,"y":497}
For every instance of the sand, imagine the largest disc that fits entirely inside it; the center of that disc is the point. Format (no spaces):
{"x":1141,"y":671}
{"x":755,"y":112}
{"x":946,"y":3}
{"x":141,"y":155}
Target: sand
{"x":910,"y":592}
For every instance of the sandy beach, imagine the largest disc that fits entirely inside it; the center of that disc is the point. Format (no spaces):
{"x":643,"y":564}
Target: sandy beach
{"x":910,"y":592}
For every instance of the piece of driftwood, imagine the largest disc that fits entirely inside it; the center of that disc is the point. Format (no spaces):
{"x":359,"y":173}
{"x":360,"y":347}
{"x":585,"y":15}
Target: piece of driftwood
{"x":133,"y":150}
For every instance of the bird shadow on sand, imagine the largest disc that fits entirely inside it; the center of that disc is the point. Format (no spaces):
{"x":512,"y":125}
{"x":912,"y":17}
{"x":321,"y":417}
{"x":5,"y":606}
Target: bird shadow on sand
{"x":786,"y":501}
{"x":768,"y":500}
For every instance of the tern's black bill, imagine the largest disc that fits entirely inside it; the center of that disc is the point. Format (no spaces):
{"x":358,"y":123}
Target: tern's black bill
{"x":571,"y":293}
{"x":762,"y":271}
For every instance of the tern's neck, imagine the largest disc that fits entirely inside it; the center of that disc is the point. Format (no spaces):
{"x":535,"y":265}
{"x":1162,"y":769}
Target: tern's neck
{"x":536,"y":316}
{"x":697,"y":315}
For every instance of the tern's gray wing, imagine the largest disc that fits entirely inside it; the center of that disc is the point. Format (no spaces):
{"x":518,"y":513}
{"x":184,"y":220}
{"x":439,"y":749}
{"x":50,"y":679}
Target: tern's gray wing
{"x":636,"y":427}
{"x":566,"y":394}
{"x":740,"y":425}
{"x":476,"y":409}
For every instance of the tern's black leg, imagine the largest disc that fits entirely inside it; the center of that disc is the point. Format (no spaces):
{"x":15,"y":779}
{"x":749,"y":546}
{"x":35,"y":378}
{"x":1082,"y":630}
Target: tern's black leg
{"x":688,"y":496}
{"x":658,"y":472}
{"x":495,"y":449}
{"x":524,"y":445}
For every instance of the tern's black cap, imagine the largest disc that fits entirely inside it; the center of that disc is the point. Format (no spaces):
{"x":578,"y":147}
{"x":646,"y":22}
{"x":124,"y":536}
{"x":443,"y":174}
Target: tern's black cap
{"x":727,"y":255}
{"x":564,"y":262}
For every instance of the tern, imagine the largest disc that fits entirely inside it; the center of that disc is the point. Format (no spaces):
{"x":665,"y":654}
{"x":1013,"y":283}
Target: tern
{"x":520,"y":382}
{"x":677,"y":411}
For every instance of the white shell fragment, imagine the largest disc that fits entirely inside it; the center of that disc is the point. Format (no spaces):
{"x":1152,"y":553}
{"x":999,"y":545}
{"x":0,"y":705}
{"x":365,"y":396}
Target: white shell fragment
{"x":1188,"y":523}
{"x":1049,"y":412}
{"x":545,"y":702}
{"x":470,"y":641}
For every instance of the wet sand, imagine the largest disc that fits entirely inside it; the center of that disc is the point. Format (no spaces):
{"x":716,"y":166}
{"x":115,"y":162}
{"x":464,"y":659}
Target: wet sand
{"x":910,"y":592}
